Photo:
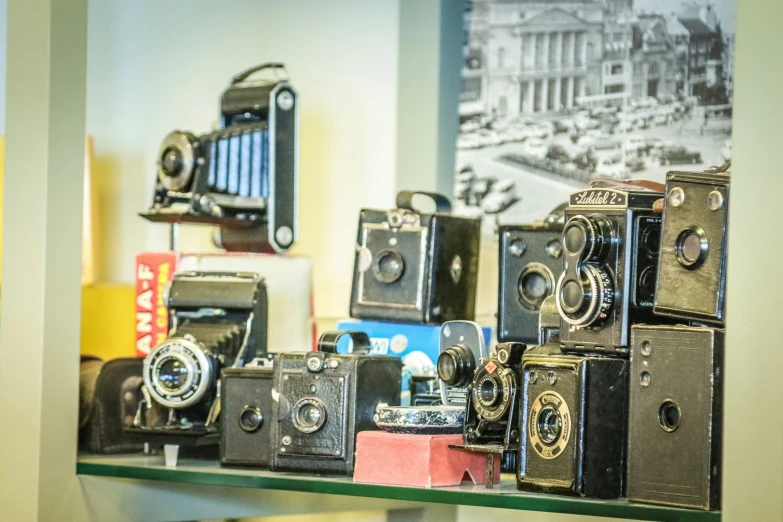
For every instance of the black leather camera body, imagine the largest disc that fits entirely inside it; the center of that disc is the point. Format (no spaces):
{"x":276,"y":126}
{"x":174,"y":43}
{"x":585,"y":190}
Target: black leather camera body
{"x":415,"y":267}
{"x":242,"y":177}
{"x":692,"y":272}
{"x":611,"y":239}
{"x":217,"y":320}
{"x":574,"y":423}
{"x":324,"y":399}
{"x":493,"y":400}
{"x":676,"y":416}
{"x":531,"y":260}
{"x":246,"y":416}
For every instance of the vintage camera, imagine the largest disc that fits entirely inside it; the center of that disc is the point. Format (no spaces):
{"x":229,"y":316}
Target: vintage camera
{"x":573,"y":423}
{"x":218,"y":320}
{"x":242,"y":177}
{"x":414,"y":267}
{"x":531,"y":260}
{"x":324,"y":399}
{"x":611,"y":239}
{"x":424,"y":390}
{"x":462,"y":349}
{"x":675,"y":416}
{"x":692,"y":272}
{"x":246,"y":415}
{"x":493,"y":400}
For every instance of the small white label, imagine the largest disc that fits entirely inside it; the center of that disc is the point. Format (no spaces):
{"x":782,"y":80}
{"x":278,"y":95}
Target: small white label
{"x":399,"y":343}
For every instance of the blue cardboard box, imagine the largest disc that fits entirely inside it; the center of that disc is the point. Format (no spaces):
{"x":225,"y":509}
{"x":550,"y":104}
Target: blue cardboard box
{"x":417,"y":345}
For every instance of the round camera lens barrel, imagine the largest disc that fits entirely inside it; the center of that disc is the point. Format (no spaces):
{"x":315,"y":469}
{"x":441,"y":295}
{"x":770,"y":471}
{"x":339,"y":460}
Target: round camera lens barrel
{"x":251,"y":419}
{"x":691,"y":247}
{"x":456,"y":365}
{"x":388,"y":266}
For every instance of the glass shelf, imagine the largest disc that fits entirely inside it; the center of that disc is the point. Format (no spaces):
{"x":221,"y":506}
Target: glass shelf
{"x":504,"y":495}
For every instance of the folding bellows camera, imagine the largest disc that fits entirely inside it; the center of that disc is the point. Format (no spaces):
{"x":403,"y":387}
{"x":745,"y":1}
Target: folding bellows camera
{"x":241,"y":177}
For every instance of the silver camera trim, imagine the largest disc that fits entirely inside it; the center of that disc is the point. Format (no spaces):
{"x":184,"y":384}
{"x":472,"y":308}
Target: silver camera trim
{"x":195,"y":360}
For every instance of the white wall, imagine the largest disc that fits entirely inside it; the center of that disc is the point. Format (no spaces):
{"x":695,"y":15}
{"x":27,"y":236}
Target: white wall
{"x":155,"y":66}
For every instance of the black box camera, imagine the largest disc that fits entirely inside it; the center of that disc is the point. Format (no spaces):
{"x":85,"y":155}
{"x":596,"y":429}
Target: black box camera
{"x":242,"y":177}
{"x":531,"y":260}
{"x":573,"y":423}
{"x":246,"y":415}
{"x":415,"y":267}
{"x":675,"y":416}
{"x":324,"y":399}
{"x":692,"y":273}
{"x":217,"y":320}
{"x":610,"y":247}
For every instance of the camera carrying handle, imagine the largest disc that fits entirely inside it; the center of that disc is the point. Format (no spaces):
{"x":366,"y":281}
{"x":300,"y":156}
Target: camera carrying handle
{"x":405,"y":200}
{"x":244,"y":75}
{"x":328,"y":341}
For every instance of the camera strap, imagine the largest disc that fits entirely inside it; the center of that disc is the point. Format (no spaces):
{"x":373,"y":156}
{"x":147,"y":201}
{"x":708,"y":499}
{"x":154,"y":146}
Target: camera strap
{"x":405,"y":200}
{"x":328,"y":341}
{"x":637,"y":184}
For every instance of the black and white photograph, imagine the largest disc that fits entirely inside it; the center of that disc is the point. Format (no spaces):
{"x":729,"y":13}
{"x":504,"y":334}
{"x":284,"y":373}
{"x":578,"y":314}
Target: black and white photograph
{"x":556,"y":93}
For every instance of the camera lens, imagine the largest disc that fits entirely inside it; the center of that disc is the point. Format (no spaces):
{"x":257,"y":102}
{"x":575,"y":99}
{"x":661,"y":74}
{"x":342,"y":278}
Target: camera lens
{"x":587,"y":236}
{"x":388,"y":266}
{"x":651,"y":239}
{"x":309,"y":415}
{"x":669,"y":415}
{"x":535,"y":284}
{"x":572,"y":295}
{"x":691,"y":247}
{"x":250,"y":419}
{"x":588,"y":299}
{"x":171,"y":161}
{"x":172,"y":375}
{"x":489,"y":391}
{"x":647,"y":281}
{"x":549,"y":424}
{"x":456,"y":365}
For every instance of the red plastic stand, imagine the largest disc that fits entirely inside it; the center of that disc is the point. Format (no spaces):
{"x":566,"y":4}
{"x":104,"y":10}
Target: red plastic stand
{"x":399,"y":459}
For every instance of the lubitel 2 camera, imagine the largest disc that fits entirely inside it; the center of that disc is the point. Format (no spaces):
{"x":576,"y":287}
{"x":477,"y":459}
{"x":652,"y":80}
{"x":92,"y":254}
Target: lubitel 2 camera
{"x":243,"y":176}
{"x":218,"y":320}
{"x":324,"y":399}
{"x":415,"y":267}
{"x":574,"y":419}
{"x":692,"y":273}
{"x":611,"y":240}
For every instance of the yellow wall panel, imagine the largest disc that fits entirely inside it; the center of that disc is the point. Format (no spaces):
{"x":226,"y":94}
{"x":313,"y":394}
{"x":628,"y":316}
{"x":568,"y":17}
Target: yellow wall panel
{"x":108,"y":327}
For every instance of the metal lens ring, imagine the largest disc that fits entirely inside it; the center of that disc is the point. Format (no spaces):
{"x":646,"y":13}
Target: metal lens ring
{"x":177,"y":160}
{"x":456,"y":365}
{"x":691,"y":247}
{"x":388,"y":266}
{"x":549,"y":425}
{"x":669,"y":415}
{"x":536,"y":283}
{"x":178,"y":373}
{"x":309,"y":415}
{"x":251,"y":419}
{"x":492,"y":391}
{"x":586,"y":236}
{"x":585,"y":301}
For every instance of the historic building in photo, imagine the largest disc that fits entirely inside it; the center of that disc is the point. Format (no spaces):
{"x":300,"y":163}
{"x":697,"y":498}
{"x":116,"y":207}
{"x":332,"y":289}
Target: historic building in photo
{"x":654,"y":59}
{"x":538,"y":56}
